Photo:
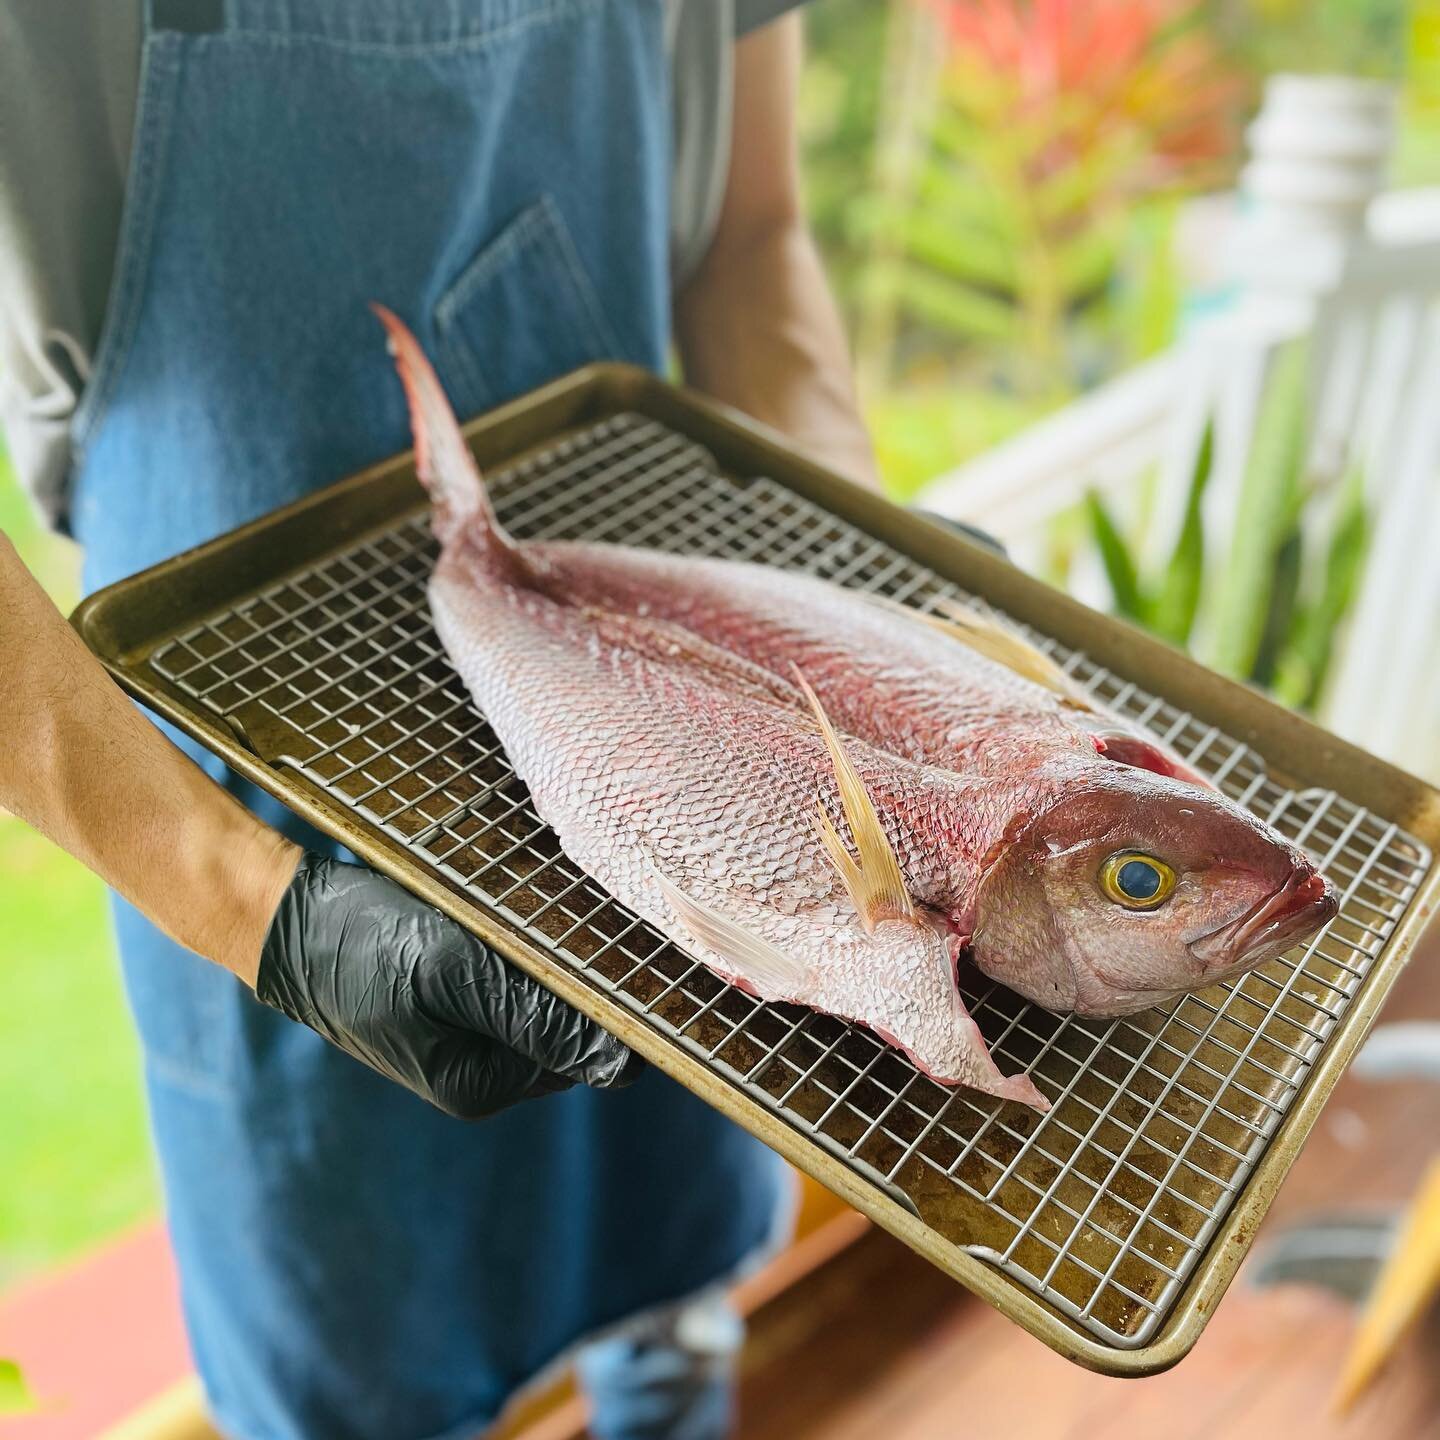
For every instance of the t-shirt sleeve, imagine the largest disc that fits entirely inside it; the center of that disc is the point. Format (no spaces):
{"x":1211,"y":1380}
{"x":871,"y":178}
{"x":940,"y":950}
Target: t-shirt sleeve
{"x":752,"y":14}
{"x":68,"y":81}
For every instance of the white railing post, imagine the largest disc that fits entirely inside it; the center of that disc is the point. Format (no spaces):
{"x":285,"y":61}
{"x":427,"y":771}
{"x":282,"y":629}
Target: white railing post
{"x":1317,"y":251}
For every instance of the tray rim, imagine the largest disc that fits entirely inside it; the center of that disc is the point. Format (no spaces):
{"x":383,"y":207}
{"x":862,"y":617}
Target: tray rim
{"x":529,"y":422}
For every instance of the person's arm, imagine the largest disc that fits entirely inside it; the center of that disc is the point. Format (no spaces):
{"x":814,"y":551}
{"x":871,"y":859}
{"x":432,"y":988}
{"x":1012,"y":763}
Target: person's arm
{"x":387,"y":978}
{"x":756,"y":324}
{"x":81,"y":764}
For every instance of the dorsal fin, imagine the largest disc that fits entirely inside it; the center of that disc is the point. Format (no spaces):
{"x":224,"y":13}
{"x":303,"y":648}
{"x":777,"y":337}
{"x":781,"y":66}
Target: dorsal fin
{"x":443,"y":460}
{"x":872,"y":875}
{"x":997,"y":642}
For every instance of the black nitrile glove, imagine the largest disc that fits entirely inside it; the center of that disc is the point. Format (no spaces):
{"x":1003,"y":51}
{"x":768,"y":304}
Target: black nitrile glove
{"x":970,"y":532}
{"x":395,"y":983}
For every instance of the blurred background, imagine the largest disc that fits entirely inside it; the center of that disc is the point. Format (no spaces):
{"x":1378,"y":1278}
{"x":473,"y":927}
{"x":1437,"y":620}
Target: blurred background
{"x":1125,"y":287}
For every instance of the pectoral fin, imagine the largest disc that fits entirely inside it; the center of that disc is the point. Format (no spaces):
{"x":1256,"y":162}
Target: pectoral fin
{"x":872,"y":875}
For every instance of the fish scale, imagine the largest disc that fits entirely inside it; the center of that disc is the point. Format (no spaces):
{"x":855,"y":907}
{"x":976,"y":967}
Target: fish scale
{"x":629,"y":801}
{"x":907,"y":688}
{"x":831,"y":803}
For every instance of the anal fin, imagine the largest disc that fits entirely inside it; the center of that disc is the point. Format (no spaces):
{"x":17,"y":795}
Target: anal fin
{"x":752,"y":957}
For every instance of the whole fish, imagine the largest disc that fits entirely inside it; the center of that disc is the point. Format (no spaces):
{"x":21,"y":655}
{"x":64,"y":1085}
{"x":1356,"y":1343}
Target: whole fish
{"x":832,"y":801}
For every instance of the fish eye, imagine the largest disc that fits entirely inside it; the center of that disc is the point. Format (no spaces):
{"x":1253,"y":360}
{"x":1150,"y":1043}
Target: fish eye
{"x":1138,"y":882}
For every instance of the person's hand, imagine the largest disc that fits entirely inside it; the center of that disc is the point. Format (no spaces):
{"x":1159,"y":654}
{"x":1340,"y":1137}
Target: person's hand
{"x":398,"y":985}
{"x":970,"y":532}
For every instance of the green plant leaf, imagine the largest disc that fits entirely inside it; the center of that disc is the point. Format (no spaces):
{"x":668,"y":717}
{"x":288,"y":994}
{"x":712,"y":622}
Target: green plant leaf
{"x":1264,"y":517}
{"x":15,"y":1395}
{"x":974,"y":255}
{"x":1304,"y":663}
{"x":953,"y":308}
{"x":1280,"y":613}
{"x":1120,"y":569}
{"x":1177,"y":597}
{"x":1147,"y":306}
{"x":1087,"y":264}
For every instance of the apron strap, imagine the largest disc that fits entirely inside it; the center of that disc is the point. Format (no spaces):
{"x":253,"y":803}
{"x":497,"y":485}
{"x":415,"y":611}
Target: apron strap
{"x":189,"y":17}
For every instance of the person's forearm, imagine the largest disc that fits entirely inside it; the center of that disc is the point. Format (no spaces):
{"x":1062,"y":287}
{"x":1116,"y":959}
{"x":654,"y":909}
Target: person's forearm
{"x":757,"y":327}
{"x":80,"y":763}
{"x":756,"y":324}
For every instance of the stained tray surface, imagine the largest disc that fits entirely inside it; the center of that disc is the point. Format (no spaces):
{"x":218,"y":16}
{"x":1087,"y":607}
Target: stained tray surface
{"x":1104,"y":1206}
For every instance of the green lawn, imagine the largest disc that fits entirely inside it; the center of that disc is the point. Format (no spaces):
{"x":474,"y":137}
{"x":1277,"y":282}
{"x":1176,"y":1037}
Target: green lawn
{"x":74,"y":1167}
{"x":72,"y":1127}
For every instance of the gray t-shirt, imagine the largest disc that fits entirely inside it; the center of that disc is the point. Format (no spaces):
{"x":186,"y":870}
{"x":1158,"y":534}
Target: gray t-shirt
{"x":69,"y":79}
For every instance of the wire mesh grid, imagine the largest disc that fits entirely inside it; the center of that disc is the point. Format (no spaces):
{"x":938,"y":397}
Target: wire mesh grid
{"x":1104,"y":1205}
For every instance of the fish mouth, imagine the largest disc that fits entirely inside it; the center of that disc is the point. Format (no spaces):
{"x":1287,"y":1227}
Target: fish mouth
{"x":1304,"y":903}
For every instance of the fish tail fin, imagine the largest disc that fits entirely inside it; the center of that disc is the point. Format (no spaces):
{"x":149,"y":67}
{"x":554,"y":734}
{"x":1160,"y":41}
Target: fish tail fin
{"x":443,"y":460}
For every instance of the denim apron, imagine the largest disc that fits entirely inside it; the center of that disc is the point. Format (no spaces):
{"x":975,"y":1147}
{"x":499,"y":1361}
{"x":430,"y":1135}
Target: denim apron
{"x":353,"y":1262}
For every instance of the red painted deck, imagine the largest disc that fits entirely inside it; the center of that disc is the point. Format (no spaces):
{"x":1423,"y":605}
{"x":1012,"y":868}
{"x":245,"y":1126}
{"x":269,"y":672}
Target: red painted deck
{"x":98,"y":1338}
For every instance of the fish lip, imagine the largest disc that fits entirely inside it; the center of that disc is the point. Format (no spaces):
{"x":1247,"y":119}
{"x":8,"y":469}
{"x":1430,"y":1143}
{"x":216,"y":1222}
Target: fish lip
{"x":1301,"y":906}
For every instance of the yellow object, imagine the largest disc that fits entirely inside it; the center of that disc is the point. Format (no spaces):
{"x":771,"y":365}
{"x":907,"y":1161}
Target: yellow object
{"x":1407,"y":1285}
{"x":1422,"y":84}
{"x":175,"y":1414}
{"x":1114,"y":880}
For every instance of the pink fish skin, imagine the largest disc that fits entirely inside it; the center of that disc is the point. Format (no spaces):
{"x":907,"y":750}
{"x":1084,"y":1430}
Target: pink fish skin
{"x":651,"y":705}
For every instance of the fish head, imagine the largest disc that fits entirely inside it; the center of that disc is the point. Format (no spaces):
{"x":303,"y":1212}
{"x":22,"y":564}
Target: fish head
{"x":1133,"y":888}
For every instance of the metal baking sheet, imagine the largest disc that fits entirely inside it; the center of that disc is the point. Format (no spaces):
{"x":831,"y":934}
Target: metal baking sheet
{"x":302,"y":649}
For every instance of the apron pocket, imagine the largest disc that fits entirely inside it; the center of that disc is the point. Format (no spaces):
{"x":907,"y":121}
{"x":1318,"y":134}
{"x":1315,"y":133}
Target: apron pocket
{"x":522,"y":312}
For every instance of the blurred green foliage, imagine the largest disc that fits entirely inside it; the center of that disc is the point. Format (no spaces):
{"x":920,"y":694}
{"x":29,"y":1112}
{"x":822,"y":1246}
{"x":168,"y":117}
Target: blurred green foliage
{"x":979,"y":300}
{"x":1418,"y":160}
{"x":15,"y":1395}
{"x":839,"y":114}
{"x":72,"y":1145}
{"x":1287,"y":578}
{"x":1049,"y":125}
{"x":921,"y":427}
{"x":72,"y":1138}
{"x":1167,"y":602}
{"x":72,"y":1142}
{"x":1313,"y":37}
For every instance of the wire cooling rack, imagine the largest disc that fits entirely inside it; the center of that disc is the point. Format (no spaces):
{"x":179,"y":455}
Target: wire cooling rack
{"x":1102,"y":1207}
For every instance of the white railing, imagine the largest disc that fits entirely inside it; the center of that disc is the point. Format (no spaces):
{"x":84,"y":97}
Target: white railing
{"x":1318,"y":254}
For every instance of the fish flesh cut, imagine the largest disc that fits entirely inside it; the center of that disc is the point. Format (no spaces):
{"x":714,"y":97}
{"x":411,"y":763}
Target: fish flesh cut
{"x":834,"y":801}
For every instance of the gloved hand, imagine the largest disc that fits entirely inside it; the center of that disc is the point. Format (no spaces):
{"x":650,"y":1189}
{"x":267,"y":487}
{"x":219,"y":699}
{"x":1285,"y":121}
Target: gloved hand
{"x":970,"y":532}
{"x":395,"y":983}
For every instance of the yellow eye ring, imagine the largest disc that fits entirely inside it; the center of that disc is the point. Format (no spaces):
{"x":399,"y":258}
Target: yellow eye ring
{"x":1138,"y":882}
